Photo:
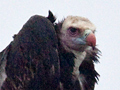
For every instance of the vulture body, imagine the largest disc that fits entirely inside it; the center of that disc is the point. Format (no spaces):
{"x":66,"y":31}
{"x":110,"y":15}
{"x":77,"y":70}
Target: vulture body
{"x":46,"y":55}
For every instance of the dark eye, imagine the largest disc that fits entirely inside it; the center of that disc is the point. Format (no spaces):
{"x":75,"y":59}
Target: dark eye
{"x":73,"y":30}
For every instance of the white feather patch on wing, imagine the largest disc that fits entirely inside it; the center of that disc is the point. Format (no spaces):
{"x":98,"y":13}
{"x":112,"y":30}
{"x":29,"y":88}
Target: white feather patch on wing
{"x":2,"y":73}
{"x":3,"y":60}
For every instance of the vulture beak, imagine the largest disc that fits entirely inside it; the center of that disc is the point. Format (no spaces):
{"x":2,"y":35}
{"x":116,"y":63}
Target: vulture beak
{"x":88,"y":38}
{"x":91,"y":40}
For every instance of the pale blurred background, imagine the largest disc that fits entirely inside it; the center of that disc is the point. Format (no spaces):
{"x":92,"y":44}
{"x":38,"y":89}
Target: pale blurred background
{"x":105,"y":14}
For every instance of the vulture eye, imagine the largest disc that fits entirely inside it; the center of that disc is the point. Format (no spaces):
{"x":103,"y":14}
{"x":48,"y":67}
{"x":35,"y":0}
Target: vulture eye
{"x":73,"y":31}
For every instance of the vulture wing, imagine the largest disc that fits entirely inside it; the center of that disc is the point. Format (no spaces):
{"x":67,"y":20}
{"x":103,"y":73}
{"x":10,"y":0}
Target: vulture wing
{"x":31,"y":61}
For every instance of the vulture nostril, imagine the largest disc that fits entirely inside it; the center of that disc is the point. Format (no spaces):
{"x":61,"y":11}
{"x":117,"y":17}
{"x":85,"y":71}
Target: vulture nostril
{"x":86,"y":35}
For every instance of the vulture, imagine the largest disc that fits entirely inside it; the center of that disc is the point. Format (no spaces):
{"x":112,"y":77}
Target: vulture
{"x":46,"y":55}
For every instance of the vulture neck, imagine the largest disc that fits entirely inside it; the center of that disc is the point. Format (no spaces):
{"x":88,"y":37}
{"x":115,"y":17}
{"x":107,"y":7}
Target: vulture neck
{"x":79,"y":57}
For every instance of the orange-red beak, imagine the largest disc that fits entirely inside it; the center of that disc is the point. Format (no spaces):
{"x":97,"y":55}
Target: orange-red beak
{"x":91,"y":40}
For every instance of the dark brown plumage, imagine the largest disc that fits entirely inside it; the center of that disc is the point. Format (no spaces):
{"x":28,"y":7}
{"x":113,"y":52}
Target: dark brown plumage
{"x":32,"y":62}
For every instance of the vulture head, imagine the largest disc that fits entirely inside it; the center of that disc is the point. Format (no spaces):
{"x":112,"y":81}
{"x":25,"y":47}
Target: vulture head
{"x":77,"y":33}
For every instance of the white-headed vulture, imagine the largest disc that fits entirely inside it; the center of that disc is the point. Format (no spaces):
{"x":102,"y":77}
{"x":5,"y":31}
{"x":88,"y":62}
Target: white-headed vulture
{"x":45,"y":55}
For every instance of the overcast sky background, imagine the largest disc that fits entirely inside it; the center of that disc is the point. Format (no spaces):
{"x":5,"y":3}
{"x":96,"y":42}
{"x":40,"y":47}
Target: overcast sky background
{"x":105,"y":14}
